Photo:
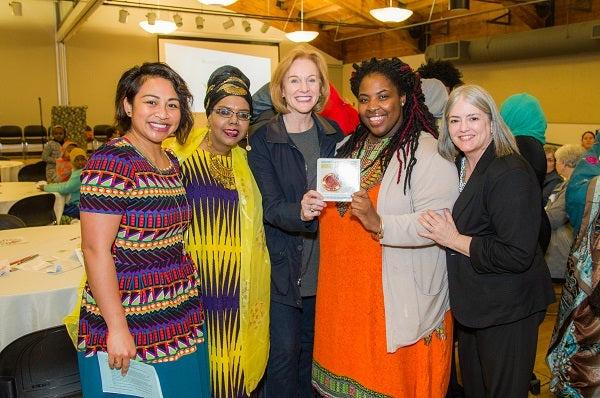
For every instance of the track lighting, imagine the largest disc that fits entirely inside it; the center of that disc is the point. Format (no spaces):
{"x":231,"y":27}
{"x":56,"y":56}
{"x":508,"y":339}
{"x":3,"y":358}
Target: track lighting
{"x":246,"y":25}
{"x":158,"y":26}
{"x":199,"y":22}
{"x":265,"y":26}
{"x":17,"y":8}
{"x":178,"y":20}
{"x":228,"y":24}
{"x":123,"y":14}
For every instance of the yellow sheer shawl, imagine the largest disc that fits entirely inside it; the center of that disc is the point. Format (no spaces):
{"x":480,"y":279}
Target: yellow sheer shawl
{"x":255,"y":272}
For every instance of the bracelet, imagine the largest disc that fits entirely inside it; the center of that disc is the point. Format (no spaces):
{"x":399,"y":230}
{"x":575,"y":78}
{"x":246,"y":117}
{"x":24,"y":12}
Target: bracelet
{"x":379,"y":234}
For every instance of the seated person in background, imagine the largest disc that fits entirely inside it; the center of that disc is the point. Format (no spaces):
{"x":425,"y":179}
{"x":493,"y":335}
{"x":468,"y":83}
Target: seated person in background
{"x":88,"y":133}
{"x":587,"y":140}
{"x":71,"y":187}
{"x":552,"y":178}
{"x":63,"y":164}
{"x":52,"y":151}
{"x":562,"y":232}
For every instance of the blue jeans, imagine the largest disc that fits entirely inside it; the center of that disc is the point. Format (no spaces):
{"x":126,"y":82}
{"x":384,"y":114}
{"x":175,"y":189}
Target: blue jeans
{"x":290,"y":359}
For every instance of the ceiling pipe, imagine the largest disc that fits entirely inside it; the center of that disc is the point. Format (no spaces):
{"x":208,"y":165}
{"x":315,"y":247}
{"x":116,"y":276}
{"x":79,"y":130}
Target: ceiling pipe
{"x":545,"y":42}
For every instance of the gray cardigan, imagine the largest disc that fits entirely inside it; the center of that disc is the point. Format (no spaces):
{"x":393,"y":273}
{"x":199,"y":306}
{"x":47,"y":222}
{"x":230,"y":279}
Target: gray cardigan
{"x":562,"y":232}
{"x":415,"y":280}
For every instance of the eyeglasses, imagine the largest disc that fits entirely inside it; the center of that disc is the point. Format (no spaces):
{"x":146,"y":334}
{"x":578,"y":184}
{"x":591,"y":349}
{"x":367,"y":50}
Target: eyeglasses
{"x":228,"y":113}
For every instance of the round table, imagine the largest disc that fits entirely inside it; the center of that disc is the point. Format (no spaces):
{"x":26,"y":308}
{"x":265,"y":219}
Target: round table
{"x":9,"y":170}
{"x":30,"y":300}
{"x":11,"y":192}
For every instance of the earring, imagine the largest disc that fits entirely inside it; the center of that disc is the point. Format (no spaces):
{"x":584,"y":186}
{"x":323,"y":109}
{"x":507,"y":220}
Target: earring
{"x":248,"y":146}
{"x":128,"y":113}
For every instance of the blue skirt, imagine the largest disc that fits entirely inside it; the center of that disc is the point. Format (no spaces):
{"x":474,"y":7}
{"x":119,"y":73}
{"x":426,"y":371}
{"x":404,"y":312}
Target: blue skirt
{"x":186,"y":377}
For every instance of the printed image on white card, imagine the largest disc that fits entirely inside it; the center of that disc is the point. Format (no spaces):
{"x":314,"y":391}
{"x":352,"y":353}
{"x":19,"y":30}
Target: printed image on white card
{"x":338,"y":179}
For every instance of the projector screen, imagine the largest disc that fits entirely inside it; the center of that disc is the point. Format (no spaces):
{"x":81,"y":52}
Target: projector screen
{"x":195,"y":60}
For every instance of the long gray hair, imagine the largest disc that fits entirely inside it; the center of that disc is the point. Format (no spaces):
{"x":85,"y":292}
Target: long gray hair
{"x":475,"y":95}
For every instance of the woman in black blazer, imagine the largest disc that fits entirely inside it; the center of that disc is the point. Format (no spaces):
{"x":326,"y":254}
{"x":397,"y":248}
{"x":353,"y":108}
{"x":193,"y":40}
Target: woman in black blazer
{"x":498,"y":280}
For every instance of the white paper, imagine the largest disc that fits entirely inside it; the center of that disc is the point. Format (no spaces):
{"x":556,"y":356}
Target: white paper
{"x":141,"y":379}
{"x":338,"y":179}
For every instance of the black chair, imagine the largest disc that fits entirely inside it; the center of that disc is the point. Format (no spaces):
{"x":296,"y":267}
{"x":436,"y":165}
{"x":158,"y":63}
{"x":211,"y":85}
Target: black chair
{"x":40,"y":364}
{"x":102,"y":132}
{"x":35,"y":211}
{"x":33,"y":172}
{"x":8,"y":221}
{"x":34,"y":135}
{"x":11,"y":136}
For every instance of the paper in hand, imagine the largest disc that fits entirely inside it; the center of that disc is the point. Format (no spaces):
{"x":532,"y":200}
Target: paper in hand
{"x":141,"y":379}
{"x":338,"y":179}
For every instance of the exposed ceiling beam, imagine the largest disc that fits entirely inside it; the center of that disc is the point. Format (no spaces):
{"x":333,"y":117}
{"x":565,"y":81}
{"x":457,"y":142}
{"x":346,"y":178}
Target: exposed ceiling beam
{"x":76,"y":18}
{"x":321,"y":11}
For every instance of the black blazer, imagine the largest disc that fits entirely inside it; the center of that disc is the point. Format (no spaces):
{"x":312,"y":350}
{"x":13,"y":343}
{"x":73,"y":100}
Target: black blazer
{"x":505,"y":278}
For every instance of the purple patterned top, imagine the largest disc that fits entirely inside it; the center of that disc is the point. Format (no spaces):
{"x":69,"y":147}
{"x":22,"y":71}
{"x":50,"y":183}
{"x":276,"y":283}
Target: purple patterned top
{"x":158,"y":281}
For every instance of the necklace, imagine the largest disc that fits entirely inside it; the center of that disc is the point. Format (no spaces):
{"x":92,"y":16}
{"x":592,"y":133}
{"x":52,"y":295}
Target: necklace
{"x":218,"y":167}
{"x":462,"y":178}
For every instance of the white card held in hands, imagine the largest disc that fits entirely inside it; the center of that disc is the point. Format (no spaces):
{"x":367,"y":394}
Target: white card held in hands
{"x":338,"y":179}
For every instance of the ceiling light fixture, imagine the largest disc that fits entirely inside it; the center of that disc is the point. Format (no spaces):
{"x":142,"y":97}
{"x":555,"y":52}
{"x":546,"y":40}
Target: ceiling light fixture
{"x":223,"y":3}
{"x":246,"y":25}
{"x":228,"y":24}
{"x":199,"y":22}
{"x":123,"y":14}
{"x":17,"y":8}
{"x":157,"y":26}
{"x":391,"y":14}
{"x":178,"y":20}
{"x":265,"y":26}
{"x":302,"y":36}
{"x":458,"y":5}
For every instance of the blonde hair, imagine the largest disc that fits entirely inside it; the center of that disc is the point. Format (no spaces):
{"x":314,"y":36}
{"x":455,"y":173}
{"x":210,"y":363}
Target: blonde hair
{"x":276,"y":86}
{"x":569,"y":155}
{"x":502,"y":137}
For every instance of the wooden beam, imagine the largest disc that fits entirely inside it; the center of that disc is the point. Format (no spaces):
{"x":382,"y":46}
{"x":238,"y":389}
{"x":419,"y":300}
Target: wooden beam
{"x":321,"y":11}
{"x":526,"y":14}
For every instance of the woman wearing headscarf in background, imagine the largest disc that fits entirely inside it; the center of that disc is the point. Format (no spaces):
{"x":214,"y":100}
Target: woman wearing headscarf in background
{"x":499,"y":283}
{"x":525,"y":118}
{"x":383,"y":324}
{"x":574,"y":354}
{"x":140,"y":300}
{"x":227,"y":236}
{"x":283,"y":159}
{"x":552,"y":178}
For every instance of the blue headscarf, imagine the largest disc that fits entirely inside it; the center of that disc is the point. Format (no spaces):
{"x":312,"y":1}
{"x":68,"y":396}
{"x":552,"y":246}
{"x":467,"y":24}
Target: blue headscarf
{"x":523,"y":114}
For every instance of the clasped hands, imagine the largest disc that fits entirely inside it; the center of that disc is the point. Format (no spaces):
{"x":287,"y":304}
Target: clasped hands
{"x":439,"y":227}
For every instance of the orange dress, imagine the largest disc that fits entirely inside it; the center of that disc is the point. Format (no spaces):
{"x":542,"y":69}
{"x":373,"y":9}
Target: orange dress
{"x":350,"y":357}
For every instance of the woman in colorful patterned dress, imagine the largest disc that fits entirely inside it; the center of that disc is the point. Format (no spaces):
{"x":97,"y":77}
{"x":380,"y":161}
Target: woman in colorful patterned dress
{"x":383,"y":326}
{"x":141,"y":298}
{"x":227,"y":238}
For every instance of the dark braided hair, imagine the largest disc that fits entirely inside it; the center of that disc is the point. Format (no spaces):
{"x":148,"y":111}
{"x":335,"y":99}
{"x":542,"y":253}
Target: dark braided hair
{"x":444,"y":71}
{"x":415,"y":115}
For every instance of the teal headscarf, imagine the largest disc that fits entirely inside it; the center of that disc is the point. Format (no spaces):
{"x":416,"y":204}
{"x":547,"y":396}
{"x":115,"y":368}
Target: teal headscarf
{"x":524,"y":116}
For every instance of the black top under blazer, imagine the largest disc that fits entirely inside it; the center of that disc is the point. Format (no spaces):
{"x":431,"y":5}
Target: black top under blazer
{"x":505,"y":278}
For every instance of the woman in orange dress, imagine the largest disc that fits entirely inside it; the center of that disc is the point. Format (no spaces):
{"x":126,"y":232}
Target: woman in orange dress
{"x":383,"y":326}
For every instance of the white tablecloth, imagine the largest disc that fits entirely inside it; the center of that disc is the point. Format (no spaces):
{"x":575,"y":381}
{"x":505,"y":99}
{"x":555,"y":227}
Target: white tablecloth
{"x":9,"y":170}
{"x":11,"y":192}
{"x":31,"y":301}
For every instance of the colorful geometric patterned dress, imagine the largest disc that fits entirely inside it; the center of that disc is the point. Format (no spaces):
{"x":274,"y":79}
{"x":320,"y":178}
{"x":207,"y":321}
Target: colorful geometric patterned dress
{"x":214,"y":242}
{"x":157,"y":280}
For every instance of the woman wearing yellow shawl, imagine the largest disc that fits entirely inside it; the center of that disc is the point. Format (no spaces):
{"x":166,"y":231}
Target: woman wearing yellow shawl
{"x":226,"y":238}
